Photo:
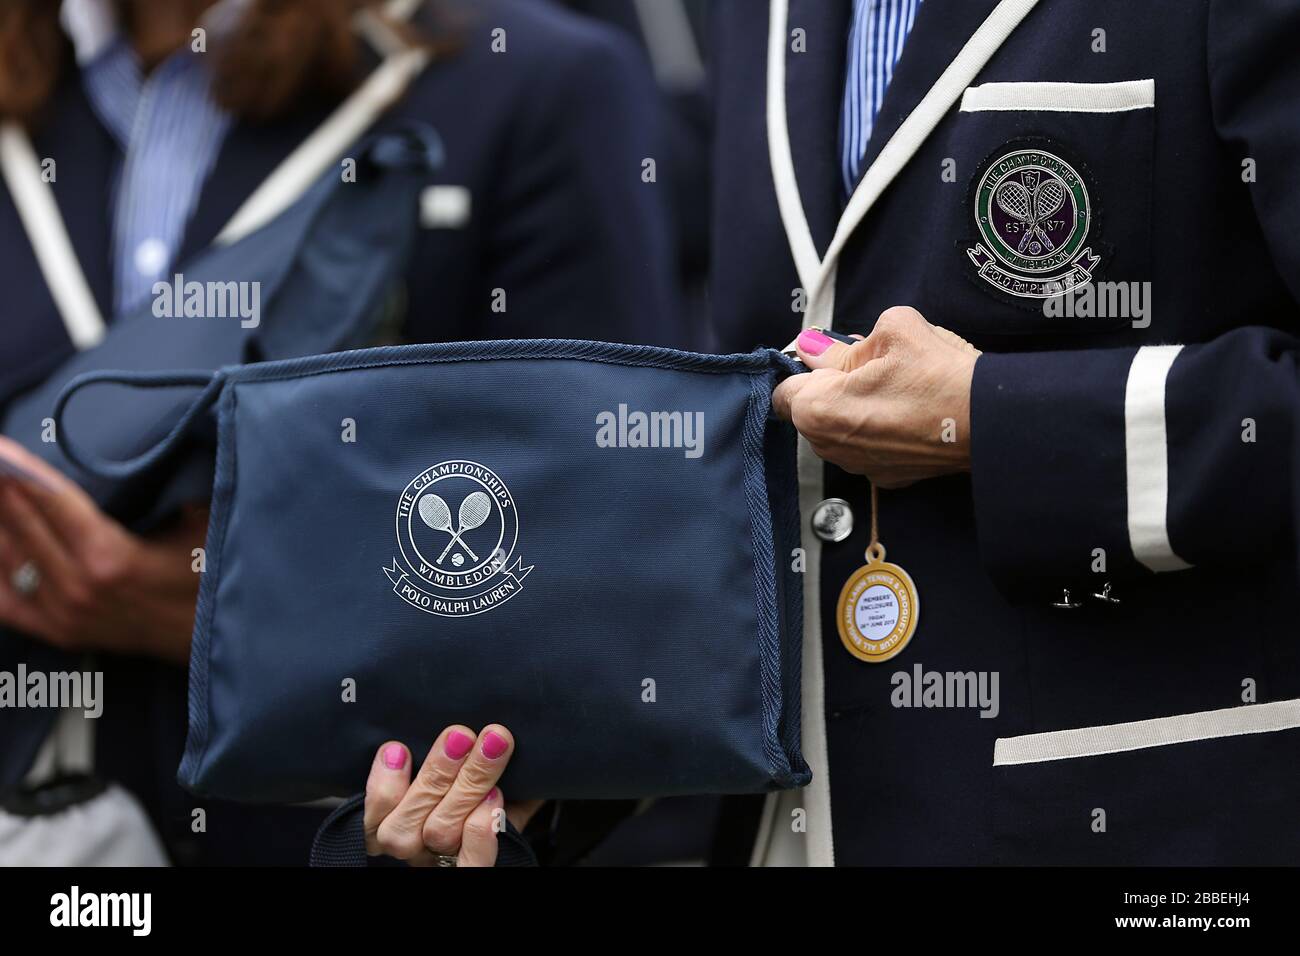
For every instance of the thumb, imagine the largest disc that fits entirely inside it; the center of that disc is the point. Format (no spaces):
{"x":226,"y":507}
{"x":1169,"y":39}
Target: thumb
{"x":819,"y":350}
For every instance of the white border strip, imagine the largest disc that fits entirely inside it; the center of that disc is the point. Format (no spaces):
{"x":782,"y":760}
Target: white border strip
{"x":1140,"y":734}
{"x":802,"y":247}
{"x":1061,"y":97}
{"x":1146,"y":448}
{"x":34,"y":200}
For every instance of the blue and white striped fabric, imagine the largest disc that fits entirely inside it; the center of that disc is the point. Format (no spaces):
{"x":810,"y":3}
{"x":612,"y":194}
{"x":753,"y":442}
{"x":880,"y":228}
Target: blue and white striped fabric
{"x":169,"y":130}
{"x":876,"y":37}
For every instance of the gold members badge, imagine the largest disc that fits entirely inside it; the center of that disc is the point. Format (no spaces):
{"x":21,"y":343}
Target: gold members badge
{"x":878,"y":609}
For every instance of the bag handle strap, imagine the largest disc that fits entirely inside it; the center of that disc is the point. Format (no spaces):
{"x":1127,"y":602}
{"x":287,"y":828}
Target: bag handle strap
{"x":210,"y":383}
{"x":39,"y":214}
{"x":341,"y":839}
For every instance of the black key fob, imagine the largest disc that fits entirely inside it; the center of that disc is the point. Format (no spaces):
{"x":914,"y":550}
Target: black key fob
{"x":793,"y":352}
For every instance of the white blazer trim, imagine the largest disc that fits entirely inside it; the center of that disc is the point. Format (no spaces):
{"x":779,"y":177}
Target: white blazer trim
{"x":39,"y":213}
{"x":777,"y":844}
{"x":1146,"y":456}
{"x":1061,"y":97}
{"x":1141,"y":734}
{"x":816,"y":274}
{"x":802,"y":247}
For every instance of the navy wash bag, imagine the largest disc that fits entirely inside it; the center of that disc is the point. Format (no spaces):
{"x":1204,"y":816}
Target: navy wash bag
{"x":404,"y":538}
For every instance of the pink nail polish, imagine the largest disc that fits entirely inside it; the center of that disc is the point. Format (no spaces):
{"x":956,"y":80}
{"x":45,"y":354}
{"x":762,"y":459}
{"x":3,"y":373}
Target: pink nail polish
{"x":814,"y":342}
{"x":457,"y":744}
{"x":394,"y":756}
{"x":494,"y":745}
{"x":491,"y":795}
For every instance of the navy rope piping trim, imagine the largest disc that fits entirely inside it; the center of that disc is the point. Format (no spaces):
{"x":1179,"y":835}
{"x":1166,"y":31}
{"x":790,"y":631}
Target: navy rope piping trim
{"x":760,"y":526}
{"x":572,"y":349}
{"x":223,"y":492}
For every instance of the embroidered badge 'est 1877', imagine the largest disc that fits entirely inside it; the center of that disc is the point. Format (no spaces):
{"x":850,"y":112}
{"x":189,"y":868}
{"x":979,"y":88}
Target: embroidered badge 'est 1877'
{"x":1033,"y":215}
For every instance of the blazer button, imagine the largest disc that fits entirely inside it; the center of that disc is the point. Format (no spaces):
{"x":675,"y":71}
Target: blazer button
{"x":832,"y":520}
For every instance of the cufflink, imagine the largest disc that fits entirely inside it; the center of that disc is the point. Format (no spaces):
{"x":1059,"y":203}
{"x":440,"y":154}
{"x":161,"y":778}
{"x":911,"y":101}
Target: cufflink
{"x":1104,"y":595}
{"x":832,"y":520}
{"x":1067,"y":603}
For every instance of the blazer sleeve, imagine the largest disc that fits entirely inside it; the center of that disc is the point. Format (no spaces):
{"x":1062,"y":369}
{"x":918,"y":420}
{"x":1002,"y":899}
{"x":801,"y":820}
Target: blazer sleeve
{"x":1165,"y":457}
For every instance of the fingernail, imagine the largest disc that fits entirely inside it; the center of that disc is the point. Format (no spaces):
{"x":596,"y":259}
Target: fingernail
{"x":494,"y":745}
{"x":394,"y":756}
{"x":491,"y":795}
{"x":813,"y":342}
{"x":458,"y":744}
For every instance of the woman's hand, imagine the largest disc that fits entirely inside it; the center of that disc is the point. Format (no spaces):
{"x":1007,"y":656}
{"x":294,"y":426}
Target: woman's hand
{"x":454,"y":808}
{"x":74,"y":577}
{"x":894,"y":406}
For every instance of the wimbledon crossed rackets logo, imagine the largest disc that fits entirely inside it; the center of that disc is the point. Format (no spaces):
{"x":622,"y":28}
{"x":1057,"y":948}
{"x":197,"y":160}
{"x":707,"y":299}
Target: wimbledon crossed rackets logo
{"x":471,"y":572}
{"x":1033,"y":214}
{"x":1031,"y":202}
{"x":474,"y":510}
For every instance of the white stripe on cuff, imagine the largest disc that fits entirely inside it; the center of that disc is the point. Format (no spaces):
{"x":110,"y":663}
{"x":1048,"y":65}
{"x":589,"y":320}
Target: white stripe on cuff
{"x":1141,"y":734}
{"x":1146,"y":453}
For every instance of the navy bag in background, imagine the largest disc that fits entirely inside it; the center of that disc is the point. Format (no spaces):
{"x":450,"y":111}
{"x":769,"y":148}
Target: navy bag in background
{"x":326,"y":268}
{"x":405,"y":538}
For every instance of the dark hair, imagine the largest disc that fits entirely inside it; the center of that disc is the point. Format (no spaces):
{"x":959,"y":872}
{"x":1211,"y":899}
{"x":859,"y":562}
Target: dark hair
{"x":280,"y":53}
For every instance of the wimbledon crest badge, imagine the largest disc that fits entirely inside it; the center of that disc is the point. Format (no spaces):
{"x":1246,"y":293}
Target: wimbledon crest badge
{"x":1034,"y":215}
{"x":457,"y":529}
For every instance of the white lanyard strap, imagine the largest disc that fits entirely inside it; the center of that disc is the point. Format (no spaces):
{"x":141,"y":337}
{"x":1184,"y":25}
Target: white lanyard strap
{"x":326,"y":145}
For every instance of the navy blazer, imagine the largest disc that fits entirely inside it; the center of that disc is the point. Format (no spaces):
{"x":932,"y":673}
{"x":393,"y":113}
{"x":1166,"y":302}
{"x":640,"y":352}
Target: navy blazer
{"x":1153,"y":453}
{"x":545,"y":141}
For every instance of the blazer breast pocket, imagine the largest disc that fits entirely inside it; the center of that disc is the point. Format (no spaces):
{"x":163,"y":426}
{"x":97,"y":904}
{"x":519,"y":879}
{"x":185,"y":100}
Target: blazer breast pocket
{"x":1051,"y":233}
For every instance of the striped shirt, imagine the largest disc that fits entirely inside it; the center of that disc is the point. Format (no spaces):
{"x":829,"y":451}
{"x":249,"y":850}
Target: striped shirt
{"x":876,"y":37}
{"x":169,"y":130}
